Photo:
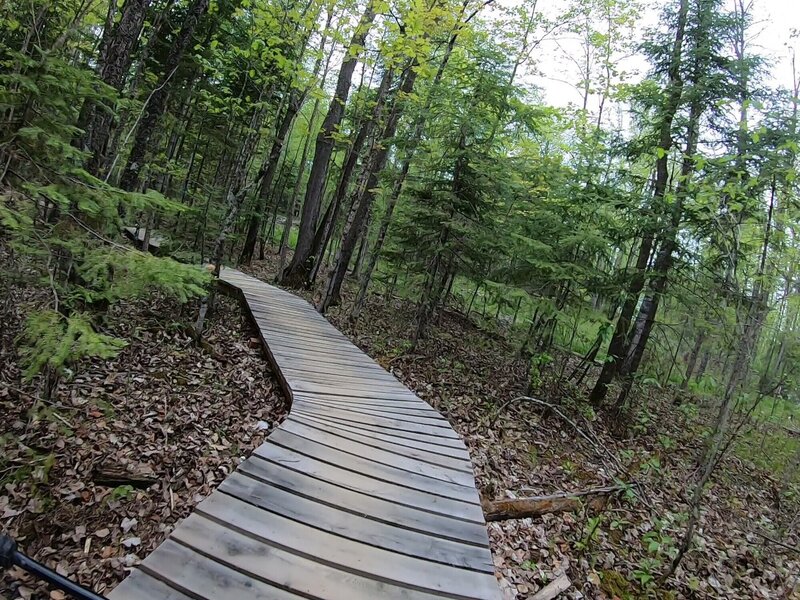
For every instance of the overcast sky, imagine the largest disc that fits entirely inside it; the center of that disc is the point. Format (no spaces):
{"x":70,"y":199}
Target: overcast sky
{"x":556,"y":75}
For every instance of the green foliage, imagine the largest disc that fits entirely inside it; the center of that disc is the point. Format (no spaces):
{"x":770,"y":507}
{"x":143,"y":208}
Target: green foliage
{"x":121,"y":492}
{"x":535,"y":366}
{"x":112,"y":275}
{"x":55,"y":341}
{"x":591,"y":532}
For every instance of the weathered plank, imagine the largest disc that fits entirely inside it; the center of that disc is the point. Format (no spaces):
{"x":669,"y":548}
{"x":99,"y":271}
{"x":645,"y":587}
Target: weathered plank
{"x":326,"y":548}
{"x":357,"y":527}
{"x":399,"y":515}
{"x":418,"y":449}
{"x":391,"y":445}
{"x":364,"y":491}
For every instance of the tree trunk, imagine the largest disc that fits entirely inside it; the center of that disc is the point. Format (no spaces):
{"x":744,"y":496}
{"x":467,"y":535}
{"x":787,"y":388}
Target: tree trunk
{"x":692,"y":362}
{"x":297,"y":271}
{"x":323,"y":233}
{"x":289,"y":220}
{"x":268,"y":170}
{"x":156,"y":104}
{"x":397,"y":187}
{"x":116,"y":58}
{"x":362,"y":205}
{"x":674,"y":94}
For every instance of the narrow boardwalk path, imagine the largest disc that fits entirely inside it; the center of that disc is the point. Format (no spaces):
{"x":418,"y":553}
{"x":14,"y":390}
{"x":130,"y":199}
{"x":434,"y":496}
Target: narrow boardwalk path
{"x":363,"y":492}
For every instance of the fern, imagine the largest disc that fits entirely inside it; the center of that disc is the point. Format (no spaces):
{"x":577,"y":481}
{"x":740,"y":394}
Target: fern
{"x":54,"y":341}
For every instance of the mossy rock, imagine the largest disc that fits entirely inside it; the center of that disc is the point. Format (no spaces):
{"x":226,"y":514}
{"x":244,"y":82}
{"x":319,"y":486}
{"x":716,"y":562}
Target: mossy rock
{"x":615,"y":585}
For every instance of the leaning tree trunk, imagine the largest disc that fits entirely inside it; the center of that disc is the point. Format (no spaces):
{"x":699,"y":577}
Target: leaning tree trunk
{"x":323,"y":234}
{"x":363,"y":203}
{"x":645,"y":320}
{"x":297,"y":271}
{"x":674,"y":95}
{"x":156,"y":104}
{"x":616,"y":346}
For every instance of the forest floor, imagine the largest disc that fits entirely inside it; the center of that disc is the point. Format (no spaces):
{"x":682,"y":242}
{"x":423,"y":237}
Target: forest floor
{"x":95,"y":478}
{"x":180,"y":418}
{"x":620,"y":550}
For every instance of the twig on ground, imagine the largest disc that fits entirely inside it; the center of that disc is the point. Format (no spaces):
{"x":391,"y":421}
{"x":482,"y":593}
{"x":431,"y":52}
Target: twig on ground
{"x":554,"y":588}
{"x":777,"y":542}
{"x":597,"y":447}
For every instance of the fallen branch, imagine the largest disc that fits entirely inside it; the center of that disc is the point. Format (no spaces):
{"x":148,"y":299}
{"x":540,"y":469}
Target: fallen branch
{"x":534,"y":506}
{"x":553,"y":589}
{"x":599,"y":449}
{"x":777,"y":542}
{"x":117,"y":476}
{"x":791,"y":431}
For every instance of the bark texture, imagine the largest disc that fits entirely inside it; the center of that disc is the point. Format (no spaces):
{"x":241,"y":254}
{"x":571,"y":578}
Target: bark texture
{"x":156,"y":104}
{"x":298,"y":269}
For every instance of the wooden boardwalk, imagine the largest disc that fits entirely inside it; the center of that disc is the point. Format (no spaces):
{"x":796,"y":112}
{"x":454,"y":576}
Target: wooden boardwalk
{"x":363,"y":492}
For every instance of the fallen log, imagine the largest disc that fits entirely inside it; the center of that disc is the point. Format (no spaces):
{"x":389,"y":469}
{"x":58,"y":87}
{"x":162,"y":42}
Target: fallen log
{"x":534,"y":506}
{"x":113,"y":476}
{"x":553,"y":589}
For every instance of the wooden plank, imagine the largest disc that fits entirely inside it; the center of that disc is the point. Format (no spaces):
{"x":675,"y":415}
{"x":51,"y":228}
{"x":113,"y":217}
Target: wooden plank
{"x":344,"y":374}
{"x":391,"y":444}
{"x":279,"y":567}
{"x":389,"y":393}
{"x":328,"y":549}
{"x":401,"y":411}
{"x":400,"y":438}
{"x":377,"y":509}
{"x":340,"y":375}
{"x":206,"y":577}
{"x":336,"y":348}
{"x":265,"y":298}
{"x":276,"y":306}
{"x":311,"y":357}
{"x":368,"y":466}
{"x":405,"y":400}
{"x":307,"y":356}
{"x":344,"y":353}
{"x":356,"y":527}
{"x":345,"y":443}
{"x":340,"y":350}
{"x":141,"y":586}
{"x":380,"y":425}
{"x":412,"y":423}
{"x":365,"y":484}
{"x":287,"y":331}
{"x":276,"y":320}
{"x":419,"y":409}
{"x":380,"y":391}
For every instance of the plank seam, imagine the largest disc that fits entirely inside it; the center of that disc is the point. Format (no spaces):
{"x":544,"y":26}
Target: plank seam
{"x":352,"y":539}
{"x":369,"y":516}
{"x":306,"y":423}
{"x":317,"y":424}
{"x":311,"y":557}
{"x":357,"y":491}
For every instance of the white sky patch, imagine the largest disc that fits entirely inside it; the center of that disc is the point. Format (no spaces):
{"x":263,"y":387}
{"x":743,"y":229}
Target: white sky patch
{"x":556,"y":74}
